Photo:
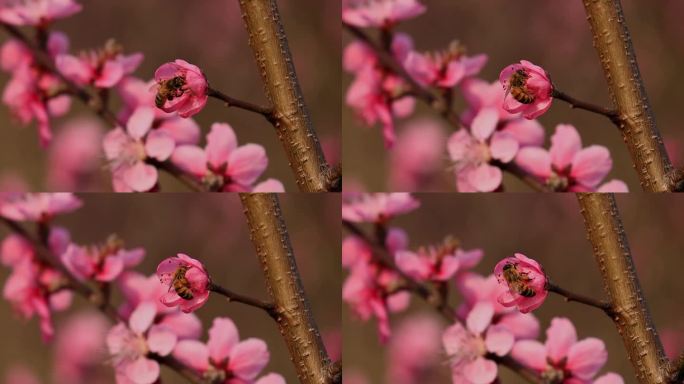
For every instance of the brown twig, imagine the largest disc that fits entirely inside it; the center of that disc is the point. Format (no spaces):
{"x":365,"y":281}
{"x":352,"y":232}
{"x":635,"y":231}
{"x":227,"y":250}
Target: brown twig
{"x":270,"y":48}
{"x":637,"y":123}
{"x":507,"y":361}
{"x":571,"y":296}
{"x":93,"y":102}
{"x":515,"y":170}
{"x":266,"y":112}
{"x":98,"y":299}
{"x":611,"y":114}
{"x":239,"y":298}
{"x":295,"y":320}
{"x":630,"y":312}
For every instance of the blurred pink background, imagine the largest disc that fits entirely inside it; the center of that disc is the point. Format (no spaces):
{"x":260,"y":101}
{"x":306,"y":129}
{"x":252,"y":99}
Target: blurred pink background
{"x":211,"y":228}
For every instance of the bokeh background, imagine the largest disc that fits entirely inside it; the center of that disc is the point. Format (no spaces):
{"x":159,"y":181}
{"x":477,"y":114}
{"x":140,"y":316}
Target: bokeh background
{"x":211,"y":228}
{"x":555,"y":35}
{"x":549,"y":229}
{"x":210,"y":34}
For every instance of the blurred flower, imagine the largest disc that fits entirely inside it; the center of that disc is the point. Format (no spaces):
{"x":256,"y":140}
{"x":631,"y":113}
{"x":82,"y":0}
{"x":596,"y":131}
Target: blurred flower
{"x":182,"y":87}
{"x":378,"y":207}
{"x":101,"y":263}
{"x":20,"y":375}
{"x":103,"y":69}
{"x":187,"y":280}
{"x":528,"y":89}
{"x":379,"y":13}
{"x":224,"y":358}
{"x":467,"y":347}
{"x":568,"y":167}
{"x":414,"y":350}
{"x":37,"y":12}
{"x":40,"y":207}
{"x":79,"y":349}
{"x":127,"y":152}
{"x":223,"y":165}
{"x":444,"y":69}
{"x":417,"y":156}
{"x":673,"y":341}
{"x":563,"y":359}
{"x":473,"y":151}
{"x":15,"y":249}
{"x":610,"y":378}
{"x":437,"y":263}
{"x":75,"y":155}
{"x":526,"y":282}
{"x":129,"y":344}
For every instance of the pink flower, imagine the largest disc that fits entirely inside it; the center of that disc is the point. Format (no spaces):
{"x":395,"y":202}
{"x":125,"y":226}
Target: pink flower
{"x":103,"y":69}
{"x":129,"y":344}
{"x":569,"y":167}
{"x":37,"y":12}
{"x":418,"y":156}
{"x":39,"y":206}
{"x":223,"y":165}
{"x":104,"y":263}
{"x":15,"y":250}
{"x":444,"y":69}
{"x":467,"y":347}
{"x":366,"y":291}
{"x":379,"y":13}
{"x":474,"y":151}
{"x":74,"y":161}
{"x":129,"y":151}
{"x":439,"y":263}
{"x":183,"y":86}
{"x":414,"y":350}
{"x":378,"y":207}
{"x":610,"y":378}
{"x":478,"y":289}
{"x":562,"y":358}
{"x":224,"y":358}
{"x":528,"y":89}
{"x":525,"y":280}
{"x":80,"y":349}
{"x":190,"y":294}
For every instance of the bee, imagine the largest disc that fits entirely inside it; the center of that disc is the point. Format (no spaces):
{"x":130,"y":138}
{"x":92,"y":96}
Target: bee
{"x":517,"y":88}
{"x":180,"y":284}
{"x":518,"y":281}
{"x":168,"y":90}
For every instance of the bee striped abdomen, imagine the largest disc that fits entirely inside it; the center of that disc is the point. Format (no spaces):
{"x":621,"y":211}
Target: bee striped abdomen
{"x":181,"y":284}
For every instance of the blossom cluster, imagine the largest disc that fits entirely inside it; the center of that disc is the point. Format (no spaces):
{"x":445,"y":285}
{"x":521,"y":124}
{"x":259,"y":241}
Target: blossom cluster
{"x":496,"y":131}
{"x":494,"y":318}
{"x":155,"y":318}
{"x":153,"y":129}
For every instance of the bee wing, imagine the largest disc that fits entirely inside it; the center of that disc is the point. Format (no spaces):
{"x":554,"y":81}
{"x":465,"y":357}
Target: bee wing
{"x":154,"y":87}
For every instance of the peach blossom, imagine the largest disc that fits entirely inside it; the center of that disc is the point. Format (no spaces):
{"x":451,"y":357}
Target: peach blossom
{"x":192,"y":96}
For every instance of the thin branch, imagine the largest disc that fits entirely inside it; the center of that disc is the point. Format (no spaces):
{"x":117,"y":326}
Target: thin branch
{"x":93,"y":102}
{"x":521,"y":174}
{"x":611,"y":114}
{"x":571,"y":296}
{"x":98,"y":299}
{"x":295,"y":319}
{"x":296,"y":133}
{"x":507,"y":361}
{"x":630,"y":312}
{"x":266,"y":112}
{"x":247,"y":300}
{"x":637,"y":123}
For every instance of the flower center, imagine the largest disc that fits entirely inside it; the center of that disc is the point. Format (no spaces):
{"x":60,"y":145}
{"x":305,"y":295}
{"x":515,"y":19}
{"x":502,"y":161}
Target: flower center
{"x":553,"y":375}
{"x":558,"y":182}
{"x":213,"y":181}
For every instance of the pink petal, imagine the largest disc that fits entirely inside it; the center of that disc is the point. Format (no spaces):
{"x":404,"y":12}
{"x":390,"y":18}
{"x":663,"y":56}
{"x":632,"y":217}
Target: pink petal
{"x":450,"y":265}
{"x":480,"y":371}
{"x":142,"y":317}
{"x":74,"y":68}
{"x":142,"y":371}
{"x":613,"y":186}
{"x":223,"y":337}
{"x":591,"y":165}
{"x":530,"y":353}
{"x":274,"y":378}
{"x":526,"y":132}
{"x":161,"y":340}
{"x":536,"y":109}
{"x":111,"y":73}
{"x":412,"y":264}
{"x":484,"y":123}
{"x":111,"y":269}
{"x":560,"y":336}
{"x":248,"y":358}
{"x":191,"y":159}
{"x":183,"y":131}
{"x":499,"y":340}
{"x":480,"y":317}
{"x":247,"y":163}
{"x":523,"y":326}
{"x":140,"y":122}
{"x":192,"y":353}
{"x":503,"y":146}
{"x":610,"y":378}
{"x":586,"y":358}
{"x":171,"y":299}
{"x":184,"y":325}
{"x":536,"y":161}
{"x":221,"y":141}
{"x":140,"y":177}
{"x":565,"y":143}
{"x":452,"y":338}
{"x":197,"y":301}
{"x":485,"y":178}
{"x":269,"y":185}
{"x":159,"y":145}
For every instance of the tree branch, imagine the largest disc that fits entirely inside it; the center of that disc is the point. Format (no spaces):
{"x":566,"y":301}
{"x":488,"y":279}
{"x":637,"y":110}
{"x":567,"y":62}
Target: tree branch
{"x":630,"y":312}
{"x":611,"y":114}
{"x":295,"y":320}
{"x":570,"y":296}
{"x":636,"y":120}
{"x":276,"y":67}
{"x":239,"y":298}
{"x":267,"y":112}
